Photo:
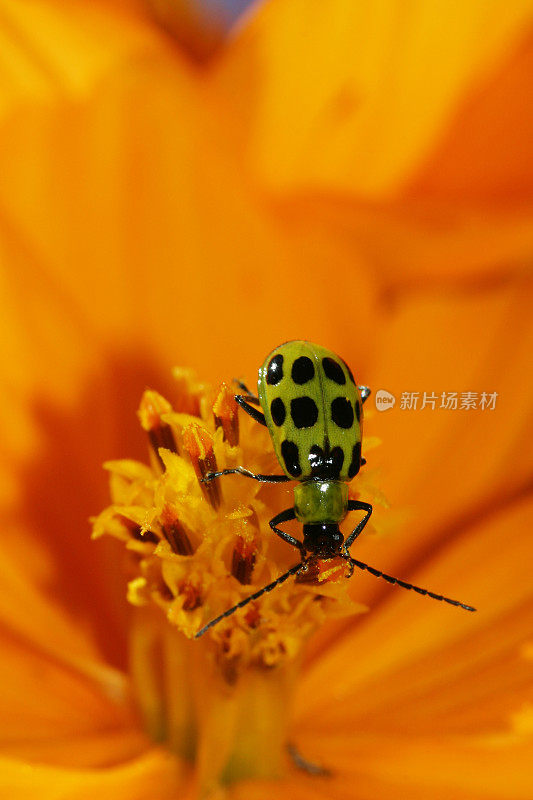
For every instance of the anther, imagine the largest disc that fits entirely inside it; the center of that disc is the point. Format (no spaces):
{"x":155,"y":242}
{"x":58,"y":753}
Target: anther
{"x":175,"y":533}
{"x":153,"y":407}
{"x":199,"y":444}
{"x":136,"y":531}
{"x":243,"y":561}
{"x":191,"y":595}
{"x":225,"y":412}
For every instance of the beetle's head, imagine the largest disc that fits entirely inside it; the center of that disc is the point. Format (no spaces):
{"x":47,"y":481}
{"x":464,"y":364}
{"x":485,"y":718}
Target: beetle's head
{"x":323,"y":539}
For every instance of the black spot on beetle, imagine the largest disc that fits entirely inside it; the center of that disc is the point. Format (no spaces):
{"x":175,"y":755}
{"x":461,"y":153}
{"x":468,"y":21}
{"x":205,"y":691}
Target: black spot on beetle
{"x":277,"y":409}
{"x":336,"y":461}
{"x":342,"y":412}
{"x":355,"y":463}
{"x":333,"y":370}
{"x":316,"y":459}
{"x":358,"y":410}
{"x":349,"y":371}
{"x":304,"y":412}
{"x":291,"y":457}
{"x":275,"y":370}
{"x":326,"y":463}
{"x":303,"y":370}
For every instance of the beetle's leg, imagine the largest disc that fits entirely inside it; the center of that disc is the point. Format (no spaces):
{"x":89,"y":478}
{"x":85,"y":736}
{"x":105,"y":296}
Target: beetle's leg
{"x":247,"y":474}
{"x":357,"y":505}
{"x":250,"y":396}
{"x":365,"y":392}
{"x":253,"y":412}
{"x":285,"y":516}
{"x":306,"y":766}
{"x":259,"y":417}
{"x":378,"y":574}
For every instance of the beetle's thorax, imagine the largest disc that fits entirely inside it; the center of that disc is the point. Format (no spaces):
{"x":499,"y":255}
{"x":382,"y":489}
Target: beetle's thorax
{"x":323,"y":539}
{"x":317,"y":501}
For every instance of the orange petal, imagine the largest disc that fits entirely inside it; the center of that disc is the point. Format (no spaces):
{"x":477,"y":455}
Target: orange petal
{"x":440,"y":767}
{"x":154,"y":776}
{"x":485,"y":153}
{"x":27,"y":612}
{"x":414,"y":664}
{"x":446,"y":467}
{"x":356,"y":99}
{"x":145,"y":122}
{"x":93,"y":750}
{"x":427,"y":241}
{"x":46,"y":698}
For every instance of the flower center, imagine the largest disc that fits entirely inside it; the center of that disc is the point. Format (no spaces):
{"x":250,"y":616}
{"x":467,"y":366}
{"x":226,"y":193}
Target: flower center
{"x":195,"y":550}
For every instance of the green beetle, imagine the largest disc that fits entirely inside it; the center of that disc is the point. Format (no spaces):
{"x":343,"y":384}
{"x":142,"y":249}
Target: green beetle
{"x":313,"y":409}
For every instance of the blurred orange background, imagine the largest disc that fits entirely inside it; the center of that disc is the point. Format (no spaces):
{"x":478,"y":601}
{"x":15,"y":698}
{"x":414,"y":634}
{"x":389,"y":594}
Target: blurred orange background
{"x":176,"y":193}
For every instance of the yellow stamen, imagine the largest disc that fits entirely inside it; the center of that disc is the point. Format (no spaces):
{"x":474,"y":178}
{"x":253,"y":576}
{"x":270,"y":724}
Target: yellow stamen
{"x":199,"y":445}
{"x":175,"y":532}
{"x":225,"y":412}
{"x":196,"y":551}
{"x":153,"y":407}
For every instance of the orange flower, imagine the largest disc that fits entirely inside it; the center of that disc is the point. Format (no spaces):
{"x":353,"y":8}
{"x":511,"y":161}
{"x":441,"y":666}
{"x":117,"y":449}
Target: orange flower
{"x":355,"y":175}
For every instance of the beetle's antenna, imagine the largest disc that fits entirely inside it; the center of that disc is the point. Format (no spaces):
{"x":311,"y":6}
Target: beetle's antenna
{"x":255,"y":596}
{"x":405,"y":585}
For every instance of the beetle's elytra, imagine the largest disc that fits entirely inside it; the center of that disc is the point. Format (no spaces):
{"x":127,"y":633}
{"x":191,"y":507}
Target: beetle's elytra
{"x":313,"y":409}
{"x":314,"y":412}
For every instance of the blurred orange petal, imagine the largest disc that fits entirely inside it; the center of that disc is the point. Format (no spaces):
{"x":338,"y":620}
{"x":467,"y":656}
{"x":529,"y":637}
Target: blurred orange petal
{"x":484,"y":153}
{"x":404,"y":130}
{"x":153,"y":775}
{"x":89,"y":750}
{"x":354,"y":98}
{"x":412,"y":664}
{"x":447,"y":466}
{"x":434,"y":766}
{"x":47,"y":698}
{"x":140,"y":228}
